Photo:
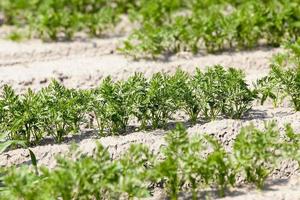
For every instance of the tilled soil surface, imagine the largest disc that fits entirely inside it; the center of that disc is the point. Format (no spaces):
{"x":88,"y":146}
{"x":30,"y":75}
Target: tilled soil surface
{"x":83,"y":63}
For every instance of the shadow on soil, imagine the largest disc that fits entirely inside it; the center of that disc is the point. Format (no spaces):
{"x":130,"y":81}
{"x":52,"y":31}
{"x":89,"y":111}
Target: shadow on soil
{"x":93,"y":133}
{"x":238,"y":191}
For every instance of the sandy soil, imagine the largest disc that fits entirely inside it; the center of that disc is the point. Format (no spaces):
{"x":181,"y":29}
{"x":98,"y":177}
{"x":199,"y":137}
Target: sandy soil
{"x":83,"y":63}
{"x":283,"y":189}
{"x":282,"y":184}
{"x":225,"y":130}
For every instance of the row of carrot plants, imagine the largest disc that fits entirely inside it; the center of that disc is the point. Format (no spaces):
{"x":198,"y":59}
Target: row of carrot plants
{"x":165,"y":26}
{"x":186,"y":166}
{"x":216,"y":93}
{"x":216,"y":27}
{"x":57,"y":110}
{"x":52,"y":19}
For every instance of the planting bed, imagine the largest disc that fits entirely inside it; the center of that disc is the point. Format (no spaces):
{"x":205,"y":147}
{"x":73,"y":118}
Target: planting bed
{"x":86,"y":63}
{"x":228,"y":128}
{"x":33,"y":64}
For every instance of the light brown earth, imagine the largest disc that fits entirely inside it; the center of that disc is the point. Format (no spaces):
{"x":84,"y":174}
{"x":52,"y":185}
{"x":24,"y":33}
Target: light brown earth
{"x":82,"y":64}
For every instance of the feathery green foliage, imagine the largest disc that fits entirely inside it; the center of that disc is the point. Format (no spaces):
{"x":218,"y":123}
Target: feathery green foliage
{"x":187,"y":164}
{"x":283,"y":80}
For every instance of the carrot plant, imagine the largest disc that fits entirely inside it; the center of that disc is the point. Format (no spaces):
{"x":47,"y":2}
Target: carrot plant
{"x":238,"y":95}
{"x":223,"y":92}
{"x":9,"y":104}
{"x":291,"y":146}
{"x":220,"y":166}
{"x":283,"y":80}
{"x":209,"y":89}
{"x":257,"y":152}
{"x":134,"y":171}
{"x":138,"y":90}
{"x":159,"y":100}
{"x":290,"y":83}
{"x":22,"y":183}
{"x":170,"y":170}
{"x":28,"y":118}
{"x":184,"y":163}
{"x":65,"y":110}
{"x":150,"y":42}
{"x":213,"y":34}
{"x":21,"y":116}
{"x":96,"y":106}
{"x":195,"y":171}
{"x":268,"y":88}
{"x":16,"y":11}
{"x":157,"y":11}
{"x":118,"y":104}
{"x":184,"y":92}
